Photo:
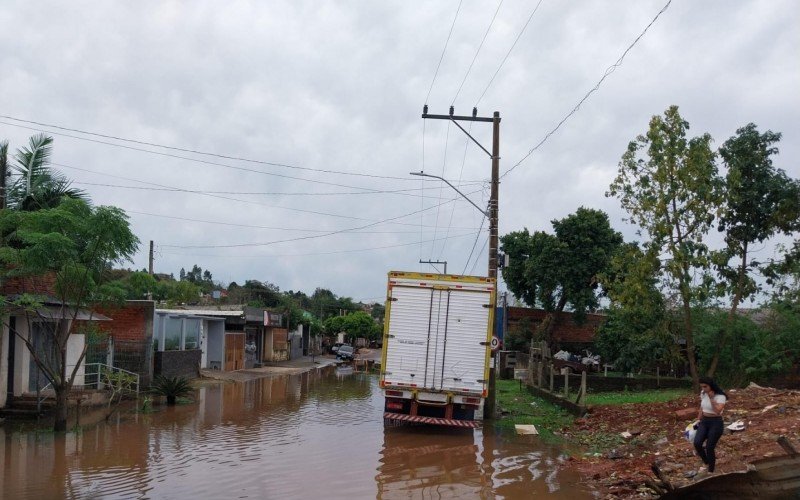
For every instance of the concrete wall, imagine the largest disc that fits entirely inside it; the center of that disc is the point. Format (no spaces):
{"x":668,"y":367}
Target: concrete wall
{"x":296,"y":343}
{"x":599,"y":383}
{"x":178,"y":363}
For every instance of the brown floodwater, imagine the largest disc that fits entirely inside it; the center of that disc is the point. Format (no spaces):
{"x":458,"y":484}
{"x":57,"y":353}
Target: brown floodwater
{"x":315,"y":435}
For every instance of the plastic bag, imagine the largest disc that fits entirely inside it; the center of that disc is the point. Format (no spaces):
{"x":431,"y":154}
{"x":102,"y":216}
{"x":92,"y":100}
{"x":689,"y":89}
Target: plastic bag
{"x":690,"y":431}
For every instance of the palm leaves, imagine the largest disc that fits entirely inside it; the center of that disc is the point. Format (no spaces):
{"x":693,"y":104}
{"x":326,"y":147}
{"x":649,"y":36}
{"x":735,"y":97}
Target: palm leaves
{"x":171,"y":387}
{"x":32,"y":184}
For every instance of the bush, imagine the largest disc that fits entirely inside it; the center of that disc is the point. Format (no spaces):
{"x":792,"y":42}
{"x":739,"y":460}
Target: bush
{"x":171,"y":387}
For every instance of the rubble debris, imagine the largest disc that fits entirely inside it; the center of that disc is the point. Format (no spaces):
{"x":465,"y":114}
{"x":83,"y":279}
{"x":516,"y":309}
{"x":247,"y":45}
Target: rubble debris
{"x":657,"y":449}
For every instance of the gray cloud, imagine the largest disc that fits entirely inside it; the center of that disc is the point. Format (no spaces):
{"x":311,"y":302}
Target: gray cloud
{"x":340,"y":85}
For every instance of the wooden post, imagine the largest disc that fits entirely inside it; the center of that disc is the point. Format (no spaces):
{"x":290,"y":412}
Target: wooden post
{"x":540,"y":370}
{"x":658,"y":376}
{"x":551,"y":378}
{"x":566,"y":382}
{"x":582,"y":395}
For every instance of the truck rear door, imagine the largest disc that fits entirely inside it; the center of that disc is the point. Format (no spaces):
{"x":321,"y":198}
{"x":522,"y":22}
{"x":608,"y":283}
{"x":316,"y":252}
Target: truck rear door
{"x":463,"y":364}
{"x":435,"y":338}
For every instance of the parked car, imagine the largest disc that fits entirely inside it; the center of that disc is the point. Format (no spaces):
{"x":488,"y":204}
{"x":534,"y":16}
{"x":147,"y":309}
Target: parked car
{"x":335,"y":347}
{"x":345,"y":353}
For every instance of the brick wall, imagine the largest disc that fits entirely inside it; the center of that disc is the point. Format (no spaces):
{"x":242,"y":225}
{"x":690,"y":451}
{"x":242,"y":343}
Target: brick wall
{"x":565,"y":330}
{"x":131,"y":322}
{"x":39,"y":285}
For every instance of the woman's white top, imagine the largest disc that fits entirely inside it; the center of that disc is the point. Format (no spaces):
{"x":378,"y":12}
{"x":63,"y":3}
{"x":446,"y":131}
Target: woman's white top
{"x":705,"y":403}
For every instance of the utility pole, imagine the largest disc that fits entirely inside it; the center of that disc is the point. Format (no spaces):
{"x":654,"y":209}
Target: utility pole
{"x":3,"y":173}
{"x":492,"y":213}
{"x":432,"y":262}
{"x":150,"y":269}
{"x":151,"y":258}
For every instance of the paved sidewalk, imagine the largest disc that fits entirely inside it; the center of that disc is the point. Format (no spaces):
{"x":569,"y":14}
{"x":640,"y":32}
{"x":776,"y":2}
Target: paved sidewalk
{"x":291,"y":367}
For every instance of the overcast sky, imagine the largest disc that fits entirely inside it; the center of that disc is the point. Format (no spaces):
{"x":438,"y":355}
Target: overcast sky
{"x":339,"y":86}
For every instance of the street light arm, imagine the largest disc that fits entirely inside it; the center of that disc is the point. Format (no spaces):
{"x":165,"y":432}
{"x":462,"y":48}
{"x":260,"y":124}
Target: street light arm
{"x":422,"y":174}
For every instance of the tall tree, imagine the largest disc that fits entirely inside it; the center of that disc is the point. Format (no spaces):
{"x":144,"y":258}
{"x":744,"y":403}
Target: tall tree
{"x":760,"y":201}
{"x":553,"y":271}
{"x":76,"y":243}
{"x":669,"y":186}
{"x":636,"y":332}
{"x":35,"y":185}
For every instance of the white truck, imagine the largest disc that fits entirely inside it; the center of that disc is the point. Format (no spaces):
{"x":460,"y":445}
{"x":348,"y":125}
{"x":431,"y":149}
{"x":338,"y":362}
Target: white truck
{"x":436,"y":348}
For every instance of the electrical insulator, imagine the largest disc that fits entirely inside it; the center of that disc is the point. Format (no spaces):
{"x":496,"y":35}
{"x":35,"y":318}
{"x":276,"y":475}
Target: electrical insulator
{"x":451,"y":110}
{"x":425,"y":109}
{"x":474,"y":112}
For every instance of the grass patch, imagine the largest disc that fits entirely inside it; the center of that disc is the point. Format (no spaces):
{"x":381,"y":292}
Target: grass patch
{"x":625,"y":397}
{"x":521,"y":407}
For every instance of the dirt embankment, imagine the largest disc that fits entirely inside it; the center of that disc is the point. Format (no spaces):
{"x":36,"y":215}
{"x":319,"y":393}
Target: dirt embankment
{"x":626,"y":470}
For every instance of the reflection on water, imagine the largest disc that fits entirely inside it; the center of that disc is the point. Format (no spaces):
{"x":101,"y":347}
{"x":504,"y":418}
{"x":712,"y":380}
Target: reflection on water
{"x":316,"y":434}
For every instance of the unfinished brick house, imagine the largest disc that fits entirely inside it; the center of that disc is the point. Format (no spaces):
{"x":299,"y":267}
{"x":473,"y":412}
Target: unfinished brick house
{"x":567,"y":333}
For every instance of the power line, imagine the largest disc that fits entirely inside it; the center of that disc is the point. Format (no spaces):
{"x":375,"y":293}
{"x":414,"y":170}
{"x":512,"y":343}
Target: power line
{"x":401,"y":192}
{"x":223,"y":197}
{"x":213,"y":163}
{"x":478,"y":258}
{"x":331,"y":233}
{"x":441,"y":187}
{"x":460,"y":175}
{"x":314,"y":254}
{"x":449,"y":34}
{"x":474,"y":244}
{"x":274,"y":228}
{"x":186,"y":150}
{"x":477,"y":52}
{"x":524,"y":27}
{"x":607,"y":73}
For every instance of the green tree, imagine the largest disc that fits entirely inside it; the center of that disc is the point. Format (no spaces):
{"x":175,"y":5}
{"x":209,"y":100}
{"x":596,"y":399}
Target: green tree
{"x":140,"y":285}
{"x":33,"y":184}
{"x":179,"y":292}
{"x":669,"y":186}
{"x":760,"y":201}
{"x":636,"y":332}
{"x":76,"y":243}
{"x":553,"y":271}
{"x":360,"y":324}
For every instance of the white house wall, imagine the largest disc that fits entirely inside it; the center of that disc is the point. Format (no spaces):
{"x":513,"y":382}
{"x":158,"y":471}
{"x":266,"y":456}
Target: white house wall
{"x":4,"y":342}
{"x":75,"y":344}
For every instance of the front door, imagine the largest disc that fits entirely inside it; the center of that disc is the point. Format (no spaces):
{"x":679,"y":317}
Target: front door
{"x":42,"y":339}
{"x":234,"y":351}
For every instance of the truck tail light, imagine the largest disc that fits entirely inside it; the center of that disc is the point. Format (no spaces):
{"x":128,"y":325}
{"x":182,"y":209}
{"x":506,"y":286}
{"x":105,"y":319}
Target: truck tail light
{"x":398,"y":394}
{"x":394,"y":405}
{"x":472,"y":401}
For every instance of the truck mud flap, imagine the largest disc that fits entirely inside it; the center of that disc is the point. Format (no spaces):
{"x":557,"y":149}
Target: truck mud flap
{"x":397,"y":417}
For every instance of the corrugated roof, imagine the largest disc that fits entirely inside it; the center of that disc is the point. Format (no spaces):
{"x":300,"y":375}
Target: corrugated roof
{"x":201,"y":312}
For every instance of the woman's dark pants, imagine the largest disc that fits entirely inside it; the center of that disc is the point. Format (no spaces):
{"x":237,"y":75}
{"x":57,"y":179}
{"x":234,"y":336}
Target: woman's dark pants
{"x":709,"y":430}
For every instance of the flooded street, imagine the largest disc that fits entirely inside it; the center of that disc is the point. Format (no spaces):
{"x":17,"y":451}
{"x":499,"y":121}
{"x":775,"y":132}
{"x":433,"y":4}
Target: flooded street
{"x":314,"y":435}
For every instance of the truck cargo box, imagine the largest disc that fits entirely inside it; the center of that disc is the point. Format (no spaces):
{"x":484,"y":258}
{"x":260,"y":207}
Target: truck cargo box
{"x":435,"y":360}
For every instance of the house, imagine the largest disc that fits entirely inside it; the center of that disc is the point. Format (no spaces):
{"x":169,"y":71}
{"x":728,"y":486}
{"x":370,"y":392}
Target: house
{"x":19,"y":374}
{"x":217,"y":339}
{"x":187,"y":340}
{"x":128,"y":340}
{"x":567,"y":333}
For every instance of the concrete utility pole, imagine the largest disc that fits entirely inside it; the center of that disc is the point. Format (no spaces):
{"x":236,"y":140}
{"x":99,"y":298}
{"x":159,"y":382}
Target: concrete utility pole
{"x":432,"y":262}
{"x":492,"y":214}
{"x":151,"y":258}
{"x":3,"y":173}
